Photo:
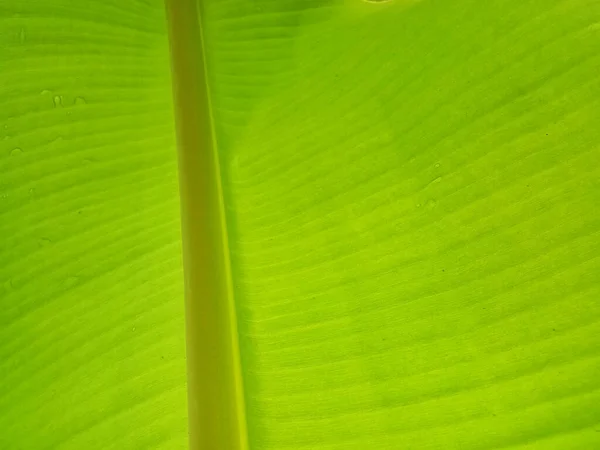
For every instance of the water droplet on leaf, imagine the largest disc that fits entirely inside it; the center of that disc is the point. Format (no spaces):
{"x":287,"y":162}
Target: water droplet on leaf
{"x":431,"y":203}
{"x":435,"y":181}
{"x":16,"y":151}
{"x":58,"y":101}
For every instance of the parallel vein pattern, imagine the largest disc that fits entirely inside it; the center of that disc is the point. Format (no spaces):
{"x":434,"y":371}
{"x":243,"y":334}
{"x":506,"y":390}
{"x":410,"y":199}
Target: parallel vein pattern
{"x":91,"y":309}
{"x":412,"y":207}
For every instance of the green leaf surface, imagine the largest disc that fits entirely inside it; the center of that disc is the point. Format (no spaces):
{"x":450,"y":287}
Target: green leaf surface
{"x":412,"y":201}
{"x":390,"y":224}
{"x":91,"y":311}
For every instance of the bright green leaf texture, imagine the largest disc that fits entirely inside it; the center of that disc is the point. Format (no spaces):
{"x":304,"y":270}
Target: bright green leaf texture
{"x":412,"y":218}
{"x":92,"y":354}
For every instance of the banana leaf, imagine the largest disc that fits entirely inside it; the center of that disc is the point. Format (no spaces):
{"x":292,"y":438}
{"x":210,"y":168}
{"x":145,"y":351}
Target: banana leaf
{"x":299,"y":224}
